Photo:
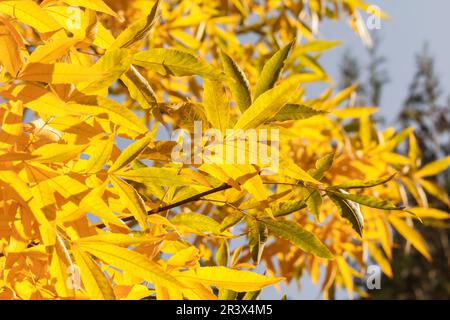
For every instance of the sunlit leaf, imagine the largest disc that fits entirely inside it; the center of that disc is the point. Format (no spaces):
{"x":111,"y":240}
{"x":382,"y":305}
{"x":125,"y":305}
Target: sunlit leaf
{"x":433,"y":168}
{"x":350,"y":211}
{"x":215,"y":103}
{"x":130,"y":261}
{"x":272,"y":69}
{"x":132,"y":199}
{"x":197,"y":223}
{"x":175,"y":62}
{"x":300,"y":237}
{"x":230,"y":279}
{"x":367,"y":201}
{"x":30,"y":13}
{"x":296,"y":112}
{"x":240,"y":86}
{"x":410,"y":234}
{"x":130,"y":153}
{"x":97,"y":285}
{"x":60,"y":73}
{"x":257,"y":237}
{"x":267,"y":105}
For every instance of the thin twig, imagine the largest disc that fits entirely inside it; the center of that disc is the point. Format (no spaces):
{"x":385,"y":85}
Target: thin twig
{"x":197,"y":197}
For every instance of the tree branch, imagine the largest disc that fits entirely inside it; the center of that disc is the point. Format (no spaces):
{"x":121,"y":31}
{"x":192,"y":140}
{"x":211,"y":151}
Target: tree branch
{"x":197,"y":197}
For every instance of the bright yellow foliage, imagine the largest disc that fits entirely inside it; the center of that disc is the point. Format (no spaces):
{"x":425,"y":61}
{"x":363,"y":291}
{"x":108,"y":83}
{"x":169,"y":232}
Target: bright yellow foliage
{"x":78,"y":78}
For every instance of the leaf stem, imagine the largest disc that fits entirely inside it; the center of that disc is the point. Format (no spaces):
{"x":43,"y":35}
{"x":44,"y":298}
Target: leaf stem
{"x":196,"y":197}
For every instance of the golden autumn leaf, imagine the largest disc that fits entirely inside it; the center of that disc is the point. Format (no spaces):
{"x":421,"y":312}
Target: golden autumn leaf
{"x":59,"y":73}
{"x":130,"y":261}
{"x":112,"y":184}
{"x":30,"y":13}
{"x":226,"y":278}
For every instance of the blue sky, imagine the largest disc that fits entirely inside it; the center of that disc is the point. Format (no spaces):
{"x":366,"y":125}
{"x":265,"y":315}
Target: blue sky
{"x":411,"y":24}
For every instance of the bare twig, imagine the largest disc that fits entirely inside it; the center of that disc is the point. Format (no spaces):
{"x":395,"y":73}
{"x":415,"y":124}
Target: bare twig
{"x":197,"y":197}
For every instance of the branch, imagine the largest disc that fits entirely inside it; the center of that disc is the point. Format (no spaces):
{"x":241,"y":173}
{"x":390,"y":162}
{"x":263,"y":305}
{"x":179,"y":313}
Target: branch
{"x":197,"y":197}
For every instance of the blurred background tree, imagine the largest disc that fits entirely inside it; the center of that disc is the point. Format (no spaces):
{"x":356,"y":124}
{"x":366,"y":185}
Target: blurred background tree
{"x":414,"y":276}
{"x":370,"y":83}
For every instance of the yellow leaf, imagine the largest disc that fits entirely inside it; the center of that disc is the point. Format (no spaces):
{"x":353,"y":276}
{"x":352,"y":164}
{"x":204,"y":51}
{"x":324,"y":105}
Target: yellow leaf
{"x":97,"y":285}
{"x":156,"y":219}
{"x":99,"y":153}
{"x":410,"y":234}
{"x":239,"y":85}
{"x":10,"y":56}
{"x":185,"y":257}
{"x":379,"y":258}
{"x":292,"y":170}
{"x":429,"y":213}
{"x":215,"y":102}
{"x":196,"y":222}
{"x":267,"y":104}
{"x":138,"y":30}
{"x":104,"y":38}
{"x":132,"y":200}
{"x":58,"y":270}
{"x":176,"y":63}
{"x":12,"y":126}
{"x":132,"y":262}
{"x":315,"y":46}
{"x":346,"y":274}
{"x":392,"y":142}
{"x":384,"y":234}
{"x":225,"y":278}
{"x":96,"y":5}
{"x":114,"y":112}
{"x":64,"y":184}
{"x":158,"y":176}
{"x":81,"y":24}
{"x":433,"y":168}
{"x":272,"y":69}
{"x":414,"y":152}
{"x":247,"y":176}
{"x":217,"y":172}
{"x":118,"y":239}
{"x":339,"y":98}
{"x":60,"y":73}
{"x":94,"y":204}
{"x":30,"y":13}
{"x":138,"y":292}
{"x":293,"y":111}
{"x":435,"y":190}
{"x":38,"y":99}
{"x":13,"y":180}
{"x":354,"y":112}
{"x":46,"y":230}
{"x":112,"y":65}
{"x":130,"y":153}
{"x":52,"y":50}
{"x":300,"y":237}
{"x":55,"y":152}
{"x":139,"y":88}
{"x":197,"y":291}
{"x":241,"y":6}
{"x":49,"y":104}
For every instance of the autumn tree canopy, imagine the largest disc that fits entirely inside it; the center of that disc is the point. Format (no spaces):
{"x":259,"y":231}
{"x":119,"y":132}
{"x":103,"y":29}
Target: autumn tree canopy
{"x":96,"y":97}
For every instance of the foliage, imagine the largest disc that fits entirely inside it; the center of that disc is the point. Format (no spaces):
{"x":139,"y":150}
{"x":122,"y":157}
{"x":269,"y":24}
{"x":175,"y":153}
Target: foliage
{"x":82,"y":78}
{"x":415,"y":277}
{"x":370,"y":87}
